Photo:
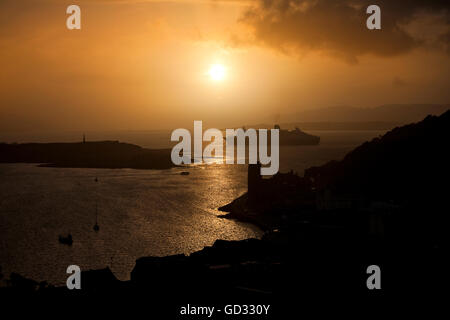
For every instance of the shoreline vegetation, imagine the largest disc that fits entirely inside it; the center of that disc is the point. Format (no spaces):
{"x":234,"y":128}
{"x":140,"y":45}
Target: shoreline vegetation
{"x":379,"y":205}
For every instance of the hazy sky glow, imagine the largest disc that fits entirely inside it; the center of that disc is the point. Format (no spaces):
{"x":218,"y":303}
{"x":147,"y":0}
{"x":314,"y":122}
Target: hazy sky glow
{"x":139,"y":65}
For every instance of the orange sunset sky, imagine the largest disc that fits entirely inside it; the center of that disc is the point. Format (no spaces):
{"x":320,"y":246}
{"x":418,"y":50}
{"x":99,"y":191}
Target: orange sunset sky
{"x":140,"y":65}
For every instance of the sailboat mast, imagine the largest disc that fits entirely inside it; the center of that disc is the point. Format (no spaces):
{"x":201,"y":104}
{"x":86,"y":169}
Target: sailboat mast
{"x":96,"y":200}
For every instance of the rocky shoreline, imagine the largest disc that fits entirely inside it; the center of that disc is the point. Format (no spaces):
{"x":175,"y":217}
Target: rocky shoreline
{"x":238,"y":210}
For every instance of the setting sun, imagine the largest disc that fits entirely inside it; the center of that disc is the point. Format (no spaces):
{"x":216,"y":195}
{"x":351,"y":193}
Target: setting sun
{"x":217,"y":72}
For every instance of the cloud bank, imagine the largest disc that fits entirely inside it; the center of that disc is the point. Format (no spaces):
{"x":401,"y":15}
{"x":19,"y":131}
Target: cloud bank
{"x":338,"y":27}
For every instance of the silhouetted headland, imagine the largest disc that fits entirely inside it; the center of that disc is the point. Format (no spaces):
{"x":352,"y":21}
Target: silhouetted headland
{"x":294,"y":137}
{"x":87,"y":154}
{"x":398,"y":170}
{"x":379,"y":205}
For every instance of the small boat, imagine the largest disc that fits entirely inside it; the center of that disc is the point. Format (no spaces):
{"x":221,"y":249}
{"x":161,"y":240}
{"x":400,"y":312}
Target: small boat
{"x":184,"y":173}
{"x":66,"y":240}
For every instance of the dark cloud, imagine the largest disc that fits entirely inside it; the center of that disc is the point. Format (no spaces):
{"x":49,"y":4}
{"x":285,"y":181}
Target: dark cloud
{"x":339,"y":26}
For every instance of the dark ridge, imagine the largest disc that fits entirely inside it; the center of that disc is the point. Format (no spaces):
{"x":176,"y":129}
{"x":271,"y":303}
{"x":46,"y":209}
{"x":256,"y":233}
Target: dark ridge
{"x":407,"y":162}
{"x":405,"y":170}
{"x":96,"y":154}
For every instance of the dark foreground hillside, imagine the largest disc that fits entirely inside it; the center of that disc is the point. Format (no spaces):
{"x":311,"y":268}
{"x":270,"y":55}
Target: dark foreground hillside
{"x":384,"y":204}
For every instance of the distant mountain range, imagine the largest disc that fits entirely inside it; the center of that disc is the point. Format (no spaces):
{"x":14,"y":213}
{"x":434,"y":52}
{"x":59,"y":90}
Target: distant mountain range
{"x":401,"y":113}
{"x":384,"y":117}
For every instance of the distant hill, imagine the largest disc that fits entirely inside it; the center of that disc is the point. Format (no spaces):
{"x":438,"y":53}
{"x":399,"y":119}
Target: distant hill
{"x":334,"y":126}
{"x":384,"y":117}
{"x":397,"y":113}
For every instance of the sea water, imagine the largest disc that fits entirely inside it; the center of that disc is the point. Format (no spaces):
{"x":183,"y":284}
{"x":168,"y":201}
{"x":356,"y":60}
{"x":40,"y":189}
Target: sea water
{"x":140,"y":212}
